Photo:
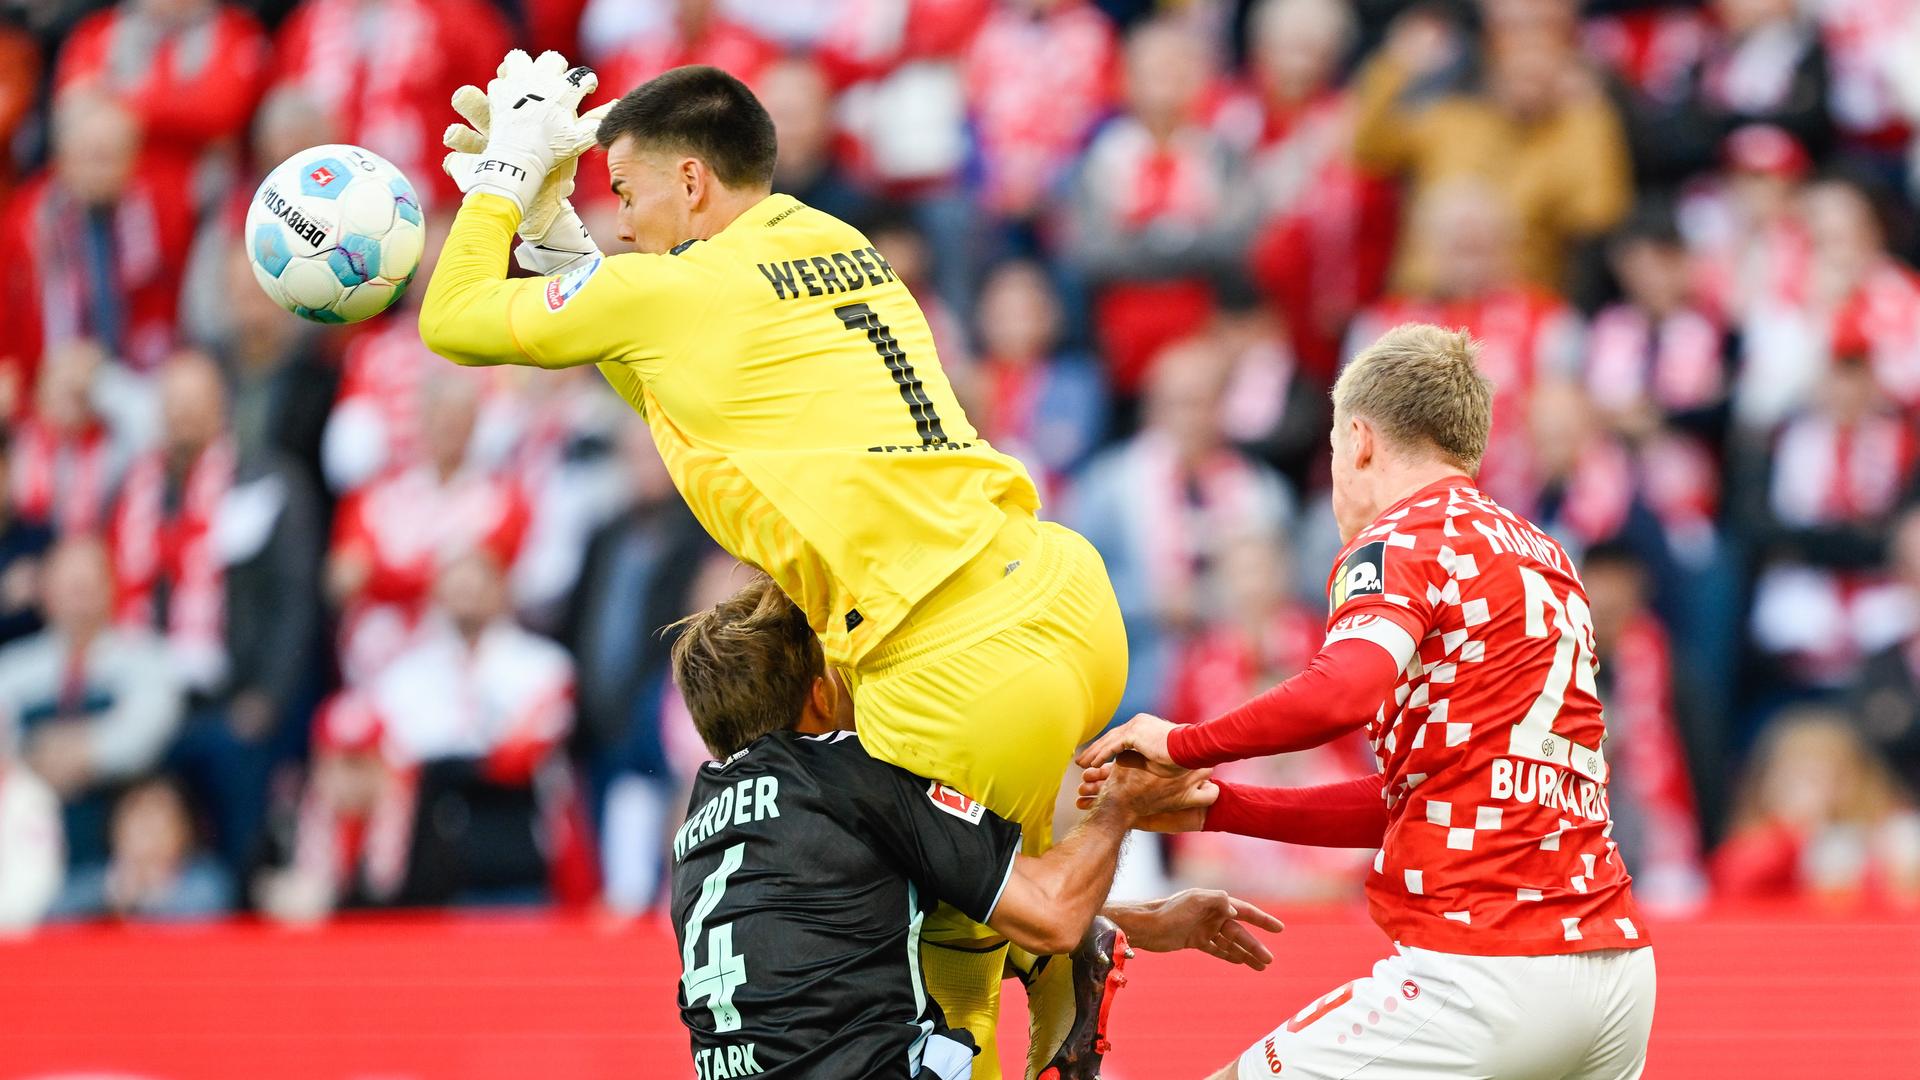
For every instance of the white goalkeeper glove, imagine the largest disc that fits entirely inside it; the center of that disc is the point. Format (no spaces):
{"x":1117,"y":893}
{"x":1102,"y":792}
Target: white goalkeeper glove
{"x":533,"y":128}
{"x":549,"y":214}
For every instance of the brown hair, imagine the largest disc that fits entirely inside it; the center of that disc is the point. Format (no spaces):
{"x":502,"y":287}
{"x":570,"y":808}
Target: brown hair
{"x":1419,"y":385}
{"x":746,"y":665}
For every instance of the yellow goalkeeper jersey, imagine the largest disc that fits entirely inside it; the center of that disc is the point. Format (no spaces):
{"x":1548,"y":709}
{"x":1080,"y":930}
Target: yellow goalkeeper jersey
{"x":791,"y":383}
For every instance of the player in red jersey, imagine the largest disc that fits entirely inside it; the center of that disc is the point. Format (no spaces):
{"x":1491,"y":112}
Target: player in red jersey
{"x":1458,"y":636}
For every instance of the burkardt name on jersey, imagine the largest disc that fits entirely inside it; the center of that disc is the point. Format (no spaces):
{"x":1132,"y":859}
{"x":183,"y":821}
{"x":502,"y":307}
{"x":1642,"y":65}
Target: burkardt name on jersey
{"x":835,"y":272}
{"x":754,"y":799}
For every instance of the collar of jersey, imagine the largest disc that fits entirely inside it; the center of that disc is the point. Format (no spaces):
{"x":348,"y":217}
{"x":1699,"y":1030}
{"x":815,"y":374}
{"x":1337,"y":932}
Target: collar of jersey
{"x":1442,"y":484}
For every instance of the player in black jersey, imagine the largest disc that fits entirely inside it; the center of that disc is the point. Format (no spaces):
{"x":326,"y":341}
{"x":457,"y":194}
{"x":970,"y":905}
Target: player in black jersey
{"x":805,"y":868}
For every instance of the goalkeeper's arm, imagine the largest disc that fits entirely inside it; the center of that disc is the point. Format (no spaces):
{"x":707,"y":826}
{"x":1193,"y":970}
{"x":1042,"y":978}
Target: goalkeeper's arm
{"x":616,"y":308}
{"x":467,"y":315}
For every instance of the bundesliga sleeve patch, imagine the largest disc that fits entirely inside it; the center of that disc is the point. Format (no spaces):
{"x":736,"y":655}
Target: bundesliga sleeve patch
{"x":1363,"y":573}
{"x":952,"y":802}
{"x":568,"y":285}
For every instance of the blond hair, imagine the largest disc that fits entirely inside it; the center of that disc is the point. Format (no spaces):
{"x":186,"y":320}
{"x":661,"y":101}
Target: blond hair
{"x":1419,"y":386}
{"x":746,"y":665}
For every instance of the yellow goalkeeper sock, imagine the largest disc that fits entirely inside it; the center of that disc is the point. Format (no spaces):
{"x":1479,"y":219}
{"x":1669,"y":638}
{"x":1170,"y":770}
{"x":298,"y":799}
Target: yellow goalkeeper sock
{"x":964,"y":977}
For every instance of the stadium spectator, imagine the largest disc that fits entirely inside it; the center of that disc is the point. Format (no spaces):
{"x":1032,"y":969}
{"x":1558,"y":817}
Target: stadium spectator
{"x":692,"y":32}
{"x":1327,"y":232}
{"x":374,"y":427}
{"x":23,"y":547}
{"x":634,"y":581}
{"x":1158,"y":505}
{"x":93,"y":246}
{"x":800,"y":100}
{"x":384,"y":70}
{"x":1158,"y":210}
{"x":1535,"y":128}
{"x":282,"y":386}
{"x":19,"y":86}
{"x":32,"y":864}
{"x":1867,"y":301}
{"x":390,"y":539}
{"x":1275,"y":408}
{"x":1886,"y":698}
{"x":474,"y":709}
{"x":1657,"y":369}
{"x":90,"y":418}
{"x":1527,"y":334}
{"x":555,"y":439}
{"x":90,"y":705}
{"x":157,"y":870}
{"x":191,"y":71}
{"x":1033,"y":399}
{"x":219,"y":554}
{"x":1823,"y":602}
{"x":348,"y":842}
{"x":1820,"y":817}
{"x":1030,"y":120}
{"x":1650,"y":781}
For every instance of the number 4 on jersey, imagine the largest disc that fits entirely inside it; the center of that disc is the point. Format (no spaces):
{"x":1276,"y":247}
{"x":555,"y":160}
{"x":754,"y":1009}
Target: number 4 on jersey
{"x":724,"y":972}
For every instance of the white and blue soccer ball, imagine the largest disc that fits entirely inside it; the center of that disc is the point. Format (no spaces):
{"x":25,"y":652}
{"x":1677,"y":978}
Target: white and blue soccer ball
{"x":335,"y":234}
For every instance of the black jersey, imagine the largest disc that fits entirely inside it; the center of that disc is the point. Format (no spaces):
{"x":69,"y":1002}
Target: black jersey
{"x":800,"y":881}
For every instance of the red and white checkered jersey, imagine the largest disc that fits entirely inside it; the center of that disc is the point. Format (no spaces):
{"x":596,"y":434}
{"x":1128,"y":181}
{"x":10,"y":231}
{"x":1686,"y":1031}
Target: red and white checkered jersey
{"x":1498,"y":834}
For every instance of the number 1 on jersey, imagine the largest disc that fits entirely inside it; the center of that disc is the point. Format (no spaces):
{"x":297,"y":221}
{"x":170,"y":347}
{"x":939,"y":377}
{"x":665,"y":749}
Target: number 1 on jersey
{"x":724,"y":971}
{"x":862,"y":318}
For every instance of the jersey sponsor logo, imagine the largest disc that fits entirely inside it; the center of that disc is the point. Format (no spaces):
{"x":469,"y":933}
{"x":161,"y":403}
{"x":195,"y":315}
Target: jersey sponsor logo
{"x":952,"y":802}
{"x":1273,"y":1057}
{"x":1363,"y":573}
{"x":568,"y":285}
{"x":1353,"y":623}
{"x":1410,"y":990}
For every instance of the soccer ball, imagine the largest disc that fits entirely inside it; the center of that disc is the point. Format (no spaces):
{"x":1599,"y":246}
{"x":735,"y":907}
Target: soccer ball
{"x":335,"y":234}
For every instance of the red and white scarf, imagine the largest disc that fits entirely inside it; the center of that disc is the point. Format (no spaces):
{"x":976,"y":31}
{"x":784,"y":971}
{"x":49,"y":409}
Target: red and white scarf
{"x":148,"y":547}
{"x":61,"y":479}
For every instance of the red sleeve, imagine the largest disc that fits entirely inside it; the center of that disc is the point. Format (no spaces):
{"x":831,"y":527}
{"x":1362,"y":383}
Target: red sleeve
{"x":1349,"y":814}
{"x":1339,"y":691}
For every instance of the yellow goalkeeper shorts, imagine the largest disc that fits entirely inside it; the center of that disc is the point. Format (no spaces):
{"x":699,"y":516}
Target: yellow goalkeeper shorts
{"x":988,"y":687}
{"x":991,"y":690}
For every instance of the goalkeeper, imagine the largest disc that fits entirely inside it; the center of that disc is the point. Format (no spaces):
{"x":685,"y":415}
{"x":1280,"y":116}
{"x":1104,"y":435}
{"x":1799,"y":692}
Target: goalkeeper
{"x":791,"y":384}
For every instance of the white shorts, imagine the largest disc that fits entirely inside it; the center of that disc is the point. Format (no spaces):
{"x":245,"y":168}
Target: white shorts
{"x":1585,"y":1016}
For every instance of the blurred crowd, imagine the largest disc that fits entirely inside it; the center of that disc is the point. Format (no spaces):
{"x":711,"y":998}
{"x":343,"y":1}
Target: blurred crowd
{"x":297,"y":619}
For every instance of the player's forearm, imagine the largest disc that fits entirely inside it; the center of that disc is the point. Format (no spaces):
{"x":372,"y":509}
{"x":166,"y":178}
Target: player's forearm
{"x":1339,"y":692}
{"x":1051,"y":900}
{"x":466,"y":316}
{"x":1349,"y":814}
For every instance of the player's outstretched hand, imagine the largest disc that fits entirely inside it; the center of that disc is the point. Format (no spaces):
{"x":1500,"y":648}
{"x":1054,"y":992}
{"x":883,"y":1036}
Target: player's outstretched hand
{"x":1189,"y":816}
{"x":550,"y":207}
{"x":533,"y":113}
{"x":1145,"y":734}
{"x":1204,"y":919}
{"x":1150,"y":794}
